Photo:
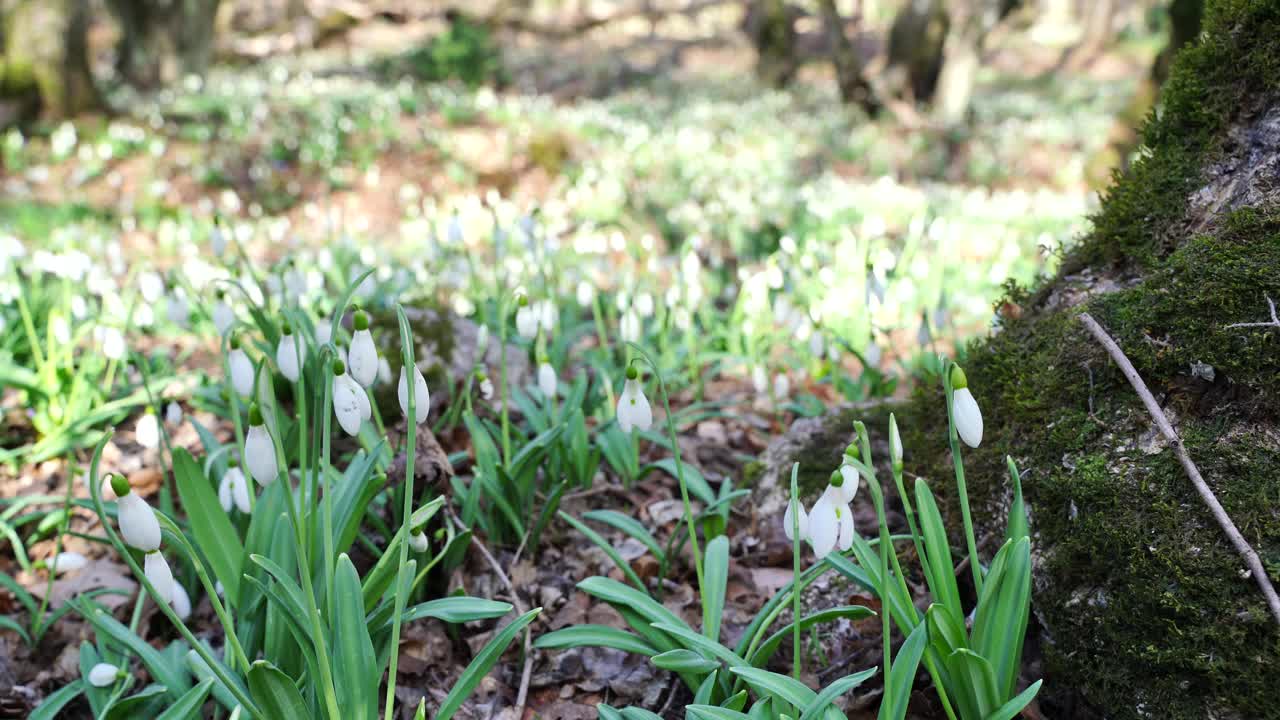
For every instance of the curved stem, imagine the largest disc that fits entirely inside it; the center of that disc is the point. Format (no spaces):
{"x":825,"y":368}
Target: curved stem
{"x":954,"y":437}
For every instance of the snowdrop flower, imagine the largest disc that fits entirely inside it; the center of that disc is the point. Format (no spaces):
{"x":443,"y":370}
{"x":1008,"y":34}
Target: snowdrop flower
{"x":526,"y":319}
{"x":846,"y":489}
{"x":644,"y":304}
{"x":104,"y":674}
{"x":760,"y":379}
{"x":633,"y":406}
{"x":895,"y":444}
{"x":241,"y":369}
{"x":287,"y":354}
{"x":362,"y":358}
{"x":177,"y":309}
{"x":181,"y":602}
{"x":830,"y":523}
{"x":147,"y":430}
{"x":788,"y":521}
{"x":872,"y":355}
{"x":384,"y":371}
{"x":161,"y":577}
{"x":173,"y":413}
{"x":817,"y":344}
{"x":421,"y":396}
{"x":923,"y":335}
{"x":259,"y":451}
{"x":350,"y":403}
{"x":218,"y":241}
{"x":137,"y":521}
{"x":419,"y":541}
{"x":482,"y":340}
{"x":547,"y":379}
{"x":968,"y":417}
{"x":151,"y":286}
{"x":324,"y":332}
{"x":222,"y":315}
{"x":112,"y":343}
{"x":629,"y":326}
{"x":65,"y":562}
{"x":586,"y":293}
{"x":233,"y":490}
{"x":486,"y":386}
{"x":454,"y":231}
{"x":781,"y":387}
{"x":295,"y":281}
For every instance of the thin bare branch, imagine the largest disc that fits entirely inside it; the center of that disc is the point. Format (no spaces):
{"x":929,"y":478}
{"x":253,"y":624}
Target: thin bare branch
{"x":1275,"y":321}
{"x":1166,"y":428}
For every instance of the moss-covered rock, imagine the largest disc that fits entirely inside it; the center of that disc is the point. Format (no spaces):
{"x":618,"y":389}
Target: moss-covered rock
{"x":1145,"y":609}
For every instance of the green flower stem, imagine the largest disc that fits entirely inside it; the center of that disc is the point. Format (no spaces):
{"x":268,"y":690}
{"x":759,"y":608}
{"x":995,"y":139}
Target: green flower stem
{"x":503,"y":323}
{"x":675,"y":448}
{"x":38,"y":621}
{"x":602,"y":340}
{"x":166,"y":493}
{"x":795,"y":569}
{"x":330,"y":560}
{"x":954,"y":437}
{"x":215,"y":666}
{"x":411,"y":417}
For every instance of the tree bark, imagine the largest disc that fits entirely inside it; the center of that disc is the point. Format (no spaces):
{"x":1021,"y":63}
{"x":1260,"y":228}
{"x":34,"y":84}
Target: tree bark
{"x":854,"y":88}
{"x":961,"y":57}
{"x":44,"y":64}
{"x":771,"y":26}
{"x":163,"y":41}
{"x":916,"y":42}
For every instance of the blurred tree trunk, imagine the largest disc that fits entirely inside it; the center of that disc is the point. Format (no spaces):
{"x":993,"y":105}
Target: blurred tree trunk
{"x":916,"y":41}
{"x":1184,"y":27}
{"x":1094,"y":36}
{"x":970,"y":21}
{"x":854,"y":88}
{"x":44,"y":63}
{"x":771,"y":26}
{"x":163,"y":40}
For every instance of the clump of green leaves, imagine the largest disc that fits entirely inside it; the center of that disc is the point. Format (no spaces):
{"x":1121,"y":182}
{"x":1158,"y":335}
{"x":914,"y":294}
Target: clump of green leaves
{"x":465,"y":52}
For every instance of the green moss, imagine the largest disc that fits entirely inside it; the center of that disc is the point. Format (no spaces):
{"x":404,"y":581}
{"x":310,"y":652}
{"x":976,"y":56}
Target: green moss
{"x":432,"y":329}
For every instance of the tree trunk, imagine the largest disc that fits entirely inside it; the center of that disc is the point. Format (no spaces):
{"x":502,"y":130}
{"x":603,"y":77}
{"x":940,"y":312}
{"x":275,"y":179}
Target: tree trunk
{"x":162,"y":42}
{"x":771,"y":26}
{"x":961,"y":57}
{"x":916,"y":42}
{"x":1142,"y":607}
{"x":854,"y":88}
{"x":44,"y":64}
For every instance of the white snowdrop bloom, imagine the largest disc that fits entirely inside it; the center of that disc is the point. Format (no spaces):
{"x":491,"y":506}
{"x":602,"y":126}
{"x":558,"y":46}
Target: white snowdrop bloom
{"x":173,"y":413}
{"x":644,"y":304}
{"x":218,"y":241}
{"x":486,"y":388}
{"x":151,"y":286}
{"x":346,"y":402}
{"x":324,"y":332}
{"x":824,"y":527}
{"x":586,"y":293}
{"x":222,"y":315}
{"x":547,"y":316}
{"x":241,"y":369}
{"x":137,"y":521}
{"x":147,"y":430}
{"x":760,"y":379}
{"x":788,"y":521}
{"x":421,"y":395}
{"x":259,"y":451}
{"x":482,"y":340}
{"x":65,"y":562}
{"x":848,"y":489}
{"x":103,"y":675}
{"x":144,"y":316}
{"x":817,"y":344}
{"x":923,"y":335}
{"x":526,"y":320}
{"x":629,"y":326}
{"x":781,"y":387}
{"x":233,"y":490}
{"x":60,"y":329}
{"x":79,"y":308}
{"x":112,"y":343}
{"x":287,"y":354}
{"x":872,"y":355}
{"x":384,"y":371}
{"x":419,"y":542}
{"x":161,"y":577}
{"x":968,"y":417}
{"x":181,"y":602}
{"x":295,"y":282}
{"x":633,"y":407}
{"x":362,"y":357}
{"x":454,"y":231}
{"x":683,"y":319}
{"x":547,"y":379}
{"x":177,"y":309}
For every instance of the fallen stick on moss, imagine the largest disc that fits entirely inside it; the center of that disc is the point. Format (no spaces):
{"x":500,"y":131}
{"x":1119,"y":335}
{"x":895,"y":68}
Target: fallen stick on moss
{"x":1273,"y":322}
{"x":1166,"y":428}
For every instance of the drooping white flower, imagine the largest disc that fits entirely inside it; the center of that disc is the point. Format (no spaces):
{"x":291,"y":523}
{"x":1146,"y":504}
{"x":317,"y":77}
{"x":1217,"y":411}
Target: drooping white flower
{"x":259,"y":451}
{"x":872,"y":355}
{"x":482,"y":340}
{"x":287,"y":354}
{"x":384,"y":371}
{"x":629,"y":326}
{"x":65,"y":562}
{"x":633,"y":406}
{"x":112,"y":343}
{"x":644,"y":304}
{"x":547,"y":379}
{"x":824,"y":527}
{"x":151,"y":285}
{"x":177,"y":309}
{"x":346,"y":401}
{"x":968,"y":417}
{"x":486,"y":387}
{"x":138,"y":523}
{"x":788,"y":521}
{"x":419,"y":541}
{"x":103,"y":675}
{"x":817,"y":344}
{"x":147,"y":430}
{"x":362,"y":358}
{"x":586,"y":293}
{"x":547,"y":316}
{"x":173,"y":413}
{"x":781,"y":387}
{"x":241,"y":369}
{"x":181,"y":602}
{"x":845,"y":515}
{"x":161,"y":577}
{"x":421,"y":395}
{"x":526,"y":319}
{"x":217,"y":241}
{"x":848,"y":488}
{"x":324,"y":332}
{"x":233,"y":490}
{"x":760,"y":379}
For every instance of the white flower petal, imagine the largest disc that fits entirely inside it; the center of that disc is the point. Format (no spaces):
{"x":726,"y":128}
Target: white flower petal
{"x":419,"y":542}
{"x":362,"y":358}
{"x":421,"y":396}
{"x":287,"y":357}
{"x":527,"y":322}
{"x":849,"y":490}
{"x":158,"y":572}
{"x":824,"y":527}
{"x":968,"y":417}
{"x":260,"y":455}
{"x":103,"y":674}
{"x":181,"y":602}
{"x":346,"y":406}
{"x":241,"y":372}
{"x":138,"y":523}
{"x":788,"y":524}
{"x":147,"y":431}
{"x":633,"y":408}
{"x":223,"y":317}
{"x":847,"y":529}
{"x":66,"y":562}
{"x":547,"y":380}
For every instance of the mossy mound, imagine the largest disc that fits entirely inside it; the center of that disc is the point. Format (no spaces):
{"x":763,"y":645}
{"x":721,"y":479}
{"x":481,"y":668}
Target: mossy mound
{"x":1145,"y":609}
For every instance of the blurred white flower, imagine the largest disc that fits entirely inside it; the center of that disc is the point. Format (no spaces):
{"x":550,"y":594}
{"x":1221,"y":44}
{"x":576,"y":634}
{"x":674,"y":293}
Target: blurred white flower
{"x":233,"y":490}
{"x":222,"y":315}
{"x":586,"y":293}
{"x":968,"y":416}
{"x":629,"y":327}
{"x":259,"y":451}
{"x":151,"y":285}
{"x":241,"y":369}
{"x":287,"y":354}
{"x":644,"y":304}
{"x":526,"y":319}
{"x":788,"y":521}
{"x":161,"y":577}
{"x":362,"y":358}
{"x":181,"y":602}
{"x":103,"y":675}
{"x":633,"y":407}
{"x":65,"y":562}
{"x":547,"y":380}
{"x":137,"y":521}
{"x":486,"y":388}
{"x":147,"y":430}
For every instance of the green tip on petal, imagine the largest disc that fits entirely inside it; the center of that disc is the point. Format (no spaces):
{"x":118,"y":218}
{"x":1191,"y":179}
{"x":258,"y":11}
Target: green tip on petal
{"x":632,"y":372}
{"x":119,"y":485}
{"x":235,"y":342}
{"x":338,"y":367}
{"x":837,"y":479}
{"x":523,"y":301}
{"x":286,"y":328}
{"x":958,"y":379}
{"x":360,"y":320}
{"x":481,"y":376}
{"x":255,"y":415}
{"x":851,"y":450}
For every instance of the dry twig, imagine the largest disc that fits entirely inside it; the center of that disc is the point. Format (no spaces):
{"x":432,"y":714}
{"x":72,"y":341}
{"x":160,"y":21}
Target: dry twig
{"x":1166,"y":428}
{"x":1274,"y":322}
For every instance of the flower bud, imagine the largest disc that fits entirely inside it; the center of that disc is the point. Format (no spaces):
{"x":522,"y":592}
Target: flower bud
{"x":103,"y":675}
{"x":161,"y":577}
